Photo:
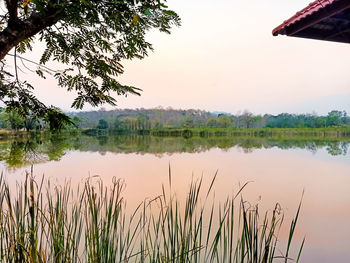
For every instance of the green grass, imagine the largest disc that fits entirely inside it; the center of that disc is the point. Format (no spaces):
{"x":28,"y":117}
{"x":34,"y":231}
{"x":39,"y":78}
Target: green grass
{"x":91,"y":223}
{"x":327,"y":133}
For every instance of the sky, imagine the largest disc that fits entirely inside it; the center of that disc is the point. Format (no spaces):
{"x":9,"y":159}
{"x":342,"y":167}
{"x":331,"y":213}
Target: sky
{"x":224,"y":58}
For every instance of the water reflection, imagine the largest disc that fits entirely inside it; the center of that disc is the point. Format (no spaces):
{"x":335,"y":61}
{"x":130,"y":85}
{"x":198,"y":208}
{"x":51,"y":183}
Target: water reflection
{"x":278,"y":173}
{"x":20,"y":153}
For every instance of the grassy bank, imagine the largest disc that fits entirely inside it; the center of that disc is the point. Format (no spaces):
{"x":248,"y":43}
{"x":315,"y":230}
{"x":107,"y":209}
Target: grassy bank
{"x":42,"y":223}
{"x":22,"y":134}
{"x":331,"y":132}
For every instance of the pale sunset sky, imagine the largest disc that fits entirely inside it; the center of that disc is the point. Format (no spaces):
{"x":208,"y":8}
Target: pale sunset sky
{"x":224,"y":58}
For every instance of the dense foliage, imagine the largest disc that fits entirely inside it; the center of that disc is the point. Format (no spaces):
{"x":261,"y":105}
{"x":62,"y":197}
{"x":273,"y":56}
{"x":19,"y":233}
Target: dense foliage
{"x":89,"y":38}
{"x":145,"y":119}
{"x":54,"y":120}
{"x":158,"y":118}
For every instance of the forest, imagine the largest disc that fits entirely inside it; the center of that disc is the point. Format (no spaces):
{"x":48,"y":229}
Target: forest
{"x":159,"y":118}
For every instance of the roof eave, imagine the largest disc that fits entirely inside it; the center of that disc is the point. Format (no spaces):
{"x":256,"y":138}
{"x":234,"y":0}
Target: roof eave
{"x":317,"y":16}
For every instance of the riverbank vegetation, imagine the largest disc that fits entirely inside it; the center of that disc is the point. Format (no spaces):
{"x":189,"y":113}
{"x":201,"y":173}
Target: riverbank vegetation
{"x":41,"y":222}
{"x":159,"y":118}
{"x":16,"y":121}
{"x":176,"y":123}
{"x":329,"y":132}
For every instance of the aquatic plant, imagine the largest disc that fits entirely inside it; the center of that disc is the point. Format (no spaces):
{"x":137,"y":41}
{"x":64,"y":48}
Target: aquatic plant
{"x":40,"y":222}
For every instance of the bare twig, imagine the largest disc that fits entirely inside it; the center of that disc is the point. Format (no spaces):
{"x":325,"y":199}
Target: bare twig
{"x":36,"y":63}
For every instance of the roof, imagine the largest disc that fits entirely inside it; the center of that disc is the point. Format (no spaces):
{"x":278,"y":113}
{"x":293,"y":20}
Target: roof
{"x":322,"y":19}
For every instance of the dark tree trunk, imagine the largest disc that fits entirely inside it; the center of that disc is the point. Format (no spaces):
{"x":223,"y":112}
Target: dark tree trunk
{"x":20,"y":30}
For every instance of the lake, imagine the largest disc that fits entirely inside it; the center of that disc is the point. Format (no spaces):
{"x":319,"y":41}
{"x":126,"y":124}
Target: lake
{"x":278,"y":170}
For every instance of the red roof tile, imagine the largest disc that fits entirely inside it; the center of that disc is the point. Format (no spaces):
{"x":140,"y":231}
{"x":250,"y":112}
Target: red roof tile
{"x":311,"y":9}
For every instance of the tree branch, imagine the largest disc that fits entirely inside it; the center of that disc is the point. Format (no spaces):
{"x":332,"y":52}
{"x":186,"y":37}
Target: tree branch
{"x":12,"y":6}
{"x":23,"y":29}
{"x":35,"y":63}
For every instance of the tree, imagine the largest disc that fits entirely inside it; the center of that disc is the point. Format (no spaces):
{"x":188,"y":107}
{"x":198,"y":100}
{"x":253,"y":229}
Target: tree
{"x":212,"y":122}
{"x":30,"y":123}
{"x":89,"y":38}
{"x":15,"y":120}
{"x":224,"y":121}
{"x":188,"y":121}
{"x":246,"y":119}
{"x":102,"y":124}
{"x":321,"y":122}
{"x":257,"y":121}
{"x":118,"y":124}
{"x":334,"y":118}
{"x":143,"y":122}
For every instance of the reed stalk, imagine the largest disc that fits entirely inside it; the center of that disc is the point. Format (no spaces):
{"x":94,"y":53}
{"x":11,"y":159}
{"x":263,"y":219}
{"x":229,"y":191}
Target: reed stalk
{"x":91,"y":223}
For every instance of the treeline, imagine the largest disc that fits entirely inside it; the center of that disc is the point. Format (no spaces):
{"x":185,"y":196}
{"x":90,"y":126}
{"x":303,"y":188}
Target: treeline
{"x":141,"y":119}
{"x":14,"y":121}
{"x":158,"y":118}
{"x":55,"y":120}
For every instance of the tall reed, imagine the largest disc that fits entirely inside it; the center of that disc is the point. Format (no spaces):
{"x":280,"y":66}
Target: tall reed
{"x":91,"y":223}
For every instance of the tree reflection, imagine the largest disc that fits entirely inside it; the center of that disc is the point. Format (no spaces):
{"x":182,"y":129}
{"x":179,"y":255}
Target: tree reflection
{"x":20,"y":153}
{"x":38,"y":149}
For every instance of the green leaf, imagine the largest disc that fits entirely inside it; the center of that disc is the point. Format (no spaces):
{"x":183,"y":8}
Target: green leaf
{"x":148,"y":13}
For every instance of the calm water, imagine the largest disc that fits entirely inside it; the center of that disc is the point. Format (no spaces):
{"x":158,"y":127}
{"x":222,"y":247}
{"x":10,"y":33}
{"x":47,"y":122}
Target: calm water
{"x":278,"y":171}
